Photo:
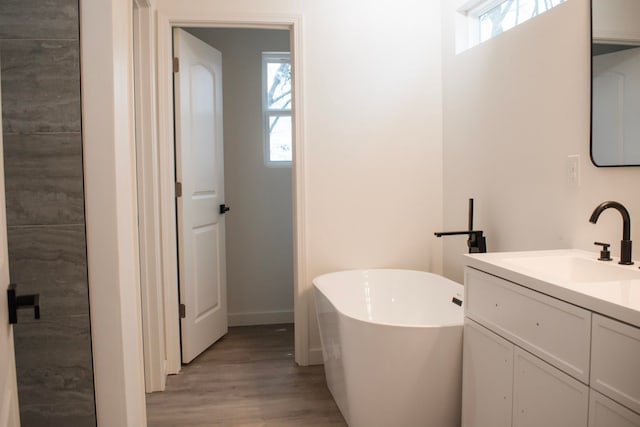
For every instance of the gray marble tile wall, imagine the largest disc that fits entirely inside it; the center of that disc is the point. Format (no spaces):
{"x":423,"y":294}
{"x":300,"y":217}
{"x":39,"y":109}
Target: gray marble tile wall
{"x":39,"y":57}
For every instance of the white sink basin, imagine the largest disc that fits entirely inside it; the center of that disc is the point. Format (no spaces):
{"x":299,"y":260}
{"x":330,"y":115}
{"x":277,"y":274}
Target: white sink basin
{"x":574,"y":267}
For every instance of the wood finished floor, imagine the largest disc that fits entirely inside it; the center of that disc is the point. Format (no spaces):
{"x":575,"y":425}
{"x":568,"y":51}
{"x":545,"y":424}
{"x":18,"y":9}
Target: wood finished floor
{"x":249,"y":379}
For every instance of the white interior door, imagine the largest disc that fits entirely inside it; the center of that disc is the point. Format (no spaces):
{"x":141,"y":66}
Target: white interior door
{"x":199,"y":168}
{"x":9,"y":414}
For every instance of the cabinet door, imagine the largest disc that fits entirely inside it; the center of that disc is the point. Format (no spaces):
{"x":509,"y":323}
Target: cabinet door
{"x":546,"y":396}
{"x":487,"y":377}
{"x":604,"y":412}
{"x":615,"y":361}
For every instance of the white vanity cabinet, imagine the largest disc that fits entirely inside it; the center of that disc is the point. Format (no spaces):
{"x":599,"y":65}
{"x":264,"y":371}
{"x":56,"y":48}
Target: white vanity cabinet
{"x":533,"y":360}
{"x":512,"y":337}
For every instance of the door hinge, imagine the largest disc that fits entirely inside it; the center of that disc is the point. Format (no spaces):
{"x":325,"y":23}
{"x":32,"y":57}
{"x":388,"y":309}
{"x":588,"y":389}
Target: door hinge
{"x":178,"y":189}
{"x":176,"y":65}
{"x":182,"y":309}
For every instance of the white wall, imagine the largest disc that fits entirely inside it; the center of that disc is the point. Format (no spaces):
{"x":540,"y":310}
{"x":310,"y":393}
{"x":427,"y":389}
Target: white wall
{"x":514,"y":108}
{"x":372,"y":130}
{"x":259,"y":226}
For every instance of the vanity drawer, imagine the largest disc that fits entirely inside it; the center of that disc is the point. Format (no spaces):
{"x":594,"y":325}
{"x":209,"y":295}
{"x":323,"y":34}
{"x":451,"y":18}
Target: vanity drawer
{"x":615,"y":361}
{"x":553,"y":330}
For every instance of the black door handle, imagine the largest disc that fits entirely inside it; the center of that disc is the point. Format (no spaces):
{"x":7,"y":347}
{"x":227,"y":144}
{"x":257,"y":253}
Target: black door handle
{"x":224,"y":209}
{"x":16,"y":302}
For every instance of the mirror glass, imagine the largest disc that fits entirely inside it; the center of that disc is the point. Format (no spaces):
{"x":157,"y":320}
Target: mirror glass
{"x":615,"y":88}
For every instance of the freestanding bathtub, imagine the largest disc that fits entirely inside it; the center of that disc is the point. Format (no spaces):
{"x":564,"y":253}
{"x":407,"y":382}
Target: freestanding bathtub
{"x":392,"y":346}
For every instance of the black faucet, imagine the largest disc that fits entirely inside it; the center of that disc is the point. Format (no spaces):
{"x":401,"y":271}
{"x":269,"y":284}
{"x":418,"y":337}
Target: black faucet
{"x":476,"y":242}
{"x":625,"y":243}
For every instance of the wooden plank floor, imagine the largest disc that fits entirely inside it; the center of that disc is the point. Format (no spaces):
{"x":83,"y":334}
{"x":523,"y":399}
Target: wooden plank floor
{"x":249,"y":379}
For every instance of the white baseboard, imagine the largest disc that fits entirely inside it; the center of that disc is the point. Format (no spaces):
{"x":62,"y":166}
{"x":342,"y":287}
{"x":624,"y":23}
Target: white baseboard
{"x":315,"y":356}
{"x":260,"y":318}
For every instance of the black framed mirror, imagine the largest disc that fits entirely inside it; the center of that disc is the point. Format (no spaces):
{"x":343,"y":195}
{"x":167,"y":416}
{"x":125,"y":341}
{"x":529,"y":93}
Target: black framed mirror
{"x":615,"y":82}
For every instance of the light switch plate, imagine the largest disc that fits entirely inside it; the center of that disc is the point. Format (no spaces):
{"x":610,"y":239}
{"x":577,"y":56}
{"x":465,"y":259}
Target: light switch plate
{"x":573,"y":170}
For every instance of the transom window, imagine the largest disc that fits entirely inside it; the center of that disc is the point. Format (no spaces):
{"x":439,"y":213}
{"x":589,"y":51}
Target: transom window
{"x":276,"y":107}
{"x":507,"y":14}
{"x":488,"y":18}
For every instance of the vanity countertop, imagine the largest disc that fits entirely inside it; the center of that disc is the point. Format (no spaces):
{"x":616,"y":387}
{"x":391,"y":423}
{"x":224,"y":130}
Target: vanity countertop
{"x":572,"y":275}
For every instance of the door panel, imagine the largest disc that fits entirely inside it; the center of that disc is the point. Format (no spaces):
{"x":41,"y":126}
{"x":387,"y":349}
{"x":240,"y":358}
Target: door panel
{"x":203,"y":127}
{"x":201,"y":229}
{"x":207,"y":265}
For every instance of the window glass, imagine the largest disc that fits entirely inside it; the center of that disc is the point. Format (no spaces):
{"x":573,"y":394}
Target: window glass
{"x":277,"y":99}
{"x":280,"y":138}
{"x":510,"y":13}
{"x":279,"y":85}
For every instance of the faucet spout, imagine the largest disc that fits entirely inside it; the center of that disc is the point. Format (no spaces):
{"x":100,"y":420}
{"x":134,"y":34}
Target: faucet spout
{"x":625,"y":243}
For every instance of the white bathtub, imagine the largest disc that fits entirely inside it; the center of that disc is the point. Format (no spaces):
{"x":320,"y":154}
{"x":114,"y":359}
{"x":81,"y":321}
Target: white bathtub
{"x":392,"y":346}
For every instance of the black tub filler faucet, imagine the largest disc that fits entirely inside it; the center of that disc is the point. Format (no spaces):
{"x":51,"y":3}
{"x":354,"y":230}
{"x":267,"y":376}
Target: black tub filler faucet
{"x":476,"y":242}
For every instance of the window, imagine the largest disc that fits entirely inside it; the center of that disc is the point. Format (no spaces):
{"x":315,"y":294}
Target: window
{"x":276,"y":107}
{"x":510,"y":13}
{"x":488,"y":18}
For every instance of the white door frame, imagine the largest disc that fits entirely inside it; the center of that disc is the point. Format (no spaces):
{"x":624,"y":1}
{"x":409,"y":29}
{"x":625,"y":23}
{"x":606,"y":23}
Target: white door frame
{"x":148,"y":197}
{"x":111,"y":211}
{"x":167,"y":167}
{"x":113,"y":253}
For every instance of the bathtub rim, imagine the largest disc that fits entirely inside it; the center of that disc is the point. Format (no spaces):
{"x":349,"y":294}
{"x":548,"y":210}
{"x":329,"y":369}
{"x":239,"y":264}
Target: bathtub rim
{"x":393,"y":325}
